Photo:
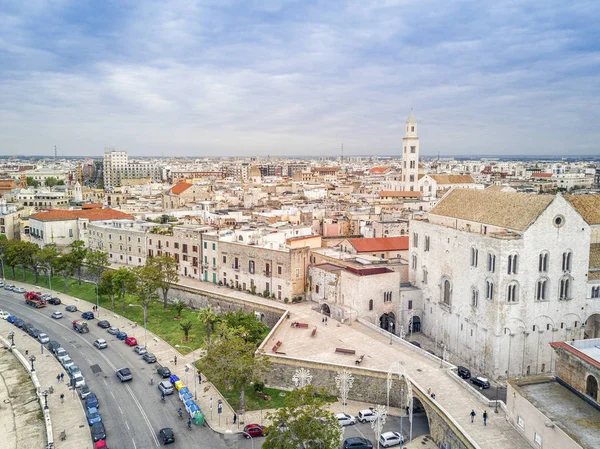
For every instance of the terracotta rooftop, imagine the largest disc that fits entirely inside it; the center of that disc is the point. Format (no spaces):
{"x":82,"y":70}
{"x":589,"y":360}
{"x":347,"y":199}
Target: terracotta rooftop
{"x":588,"y":207}
{"x":541,"y":175}
{"x":595,"y":255}
{"x":378,"y":170}
{"x":91,"y":206}
{"x":400,"y":194}
{"x":91,"y":215}
{"x":180,"y":188}
{"x":365,"y":245}
{"x":453,"y":179}
{"x":503,"y":209}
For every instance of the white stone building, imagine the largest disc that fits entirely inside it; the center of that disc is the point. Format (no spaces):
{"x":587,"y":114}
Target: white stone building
{"x":410,"y":156}
{"x":502,"y":276}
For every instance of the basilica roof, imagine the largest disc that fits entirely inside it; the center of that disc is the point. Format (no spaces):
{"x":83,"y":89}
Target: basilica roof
{"x":588,"y":207}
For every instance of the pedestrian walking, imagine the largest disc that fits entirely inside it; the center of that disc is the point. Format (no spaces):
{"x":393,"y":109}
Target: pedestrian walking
{"x":432,"y":395}
{"x":62,"y":398}
{"x":62,"y":377}
{"x":234,"y":418}
{"x":58,"y":378}
{"x":429,"y":391}
{"x":473,"y":415}
{"x":485,"y":418}
{"x":407,"y":410}
{"x":199,"y":378}
{"x":42,"y":347}
{"x":175,"y":360}
{"x":323,"y":320}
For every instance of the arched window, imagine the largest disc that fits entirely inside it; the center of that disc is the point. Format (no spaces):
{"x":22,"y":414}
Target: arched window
{"x":414,"y":261}
{"x":489,"y":290}
{"x":446,"y":291}
{"x":512,"y":292}
{"x":513,"y":263}
{"x":474,"y":296}
{"x":566,"y":261}
{"x":565,"y":288}
{"x":370,"y":304}
{"x":474,"y":256}
{"x":424,"y":275}
{"x":543,"y":262}
{"x":251,"y":267}
{"x":595,"y":292}
{"x":541,"y":289}
{"x":491,"y":263}
{"x":591,"y":387}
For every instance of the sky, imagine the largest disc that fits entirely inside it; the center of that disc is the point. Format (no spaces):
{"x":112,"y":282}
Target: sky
{"x":299,"y":78}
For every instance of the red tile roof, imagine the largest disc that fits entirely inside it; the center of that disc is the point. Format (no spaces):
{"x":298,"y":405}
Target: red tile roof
{"x":180,"y":188}
{"x":91,"y":215}
{"x":541,"y":175}
{"x":91,"y":206}
{"x":366,"y":245}
{"x":378,"y":170}
{"x":400,"y":194}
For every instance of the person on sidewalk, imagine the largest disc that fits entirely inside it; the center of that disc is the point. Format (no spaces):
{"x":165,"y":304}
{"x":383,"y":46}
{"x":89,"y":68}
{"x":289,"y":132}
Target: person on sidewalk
{"x":199,"y":378}
{"x":58,"y":378}
{"x":473,"y":415}
{"x":234,"y":418}
{"x":62,"y":377}
{"x":485,"y":418}
{"x":175,"y":360}
{"x":62,"y":398}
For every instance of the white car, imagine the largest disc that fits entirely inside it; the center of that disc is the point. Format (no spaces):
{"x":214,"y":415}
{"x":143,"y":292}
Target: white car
{"x":345,"y":420}
{"x":19,"y":290}
{"x":56,"y":315}
{"x":43,"y":338}
{"x":66,"y":362}
{"x":78,"y":380}
{"x":4,"y":314}
{"x":100,"y":343}
{"x":366,"y":415}
{"x":388,"y":439}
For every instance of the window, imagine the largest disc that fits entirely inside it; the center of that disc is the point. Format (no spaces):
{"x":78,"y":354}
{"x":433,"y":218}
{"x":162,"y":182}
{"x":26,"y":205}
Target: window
{"x":410,"y":306}
{"x":316,"y":289}
{"x":426,"y":243}
{"x":446,"y":291}
{"x":474,"y":257}
{"x":206,"y":245}
{"x":513,"y":292}
{"x":214,"y":246}
{"x":279,"y":269}
{"x":251,"y":267}
{"x":512,"y":264}
{"x":184,"y":248}
{"x":489,"y":290}
{"x":520,"y":422}
{"x":474,"y":297}
{"x":176,"y":245}
{"x":414,"y":261}
{"x":414,"y":148}
{"x":415,"y":240}
{"x":424,"y":275}
{"x":565,"y":288}
{"x":595,"y":292}
{"x":537,"y":438}
{"x":491,"y":263}
{"x":224,"y":259}
{"x":70,"y":233}
{"x":541,"y":290}
{"x":566,"y":261}
{"x":543,"y":262}
{"x":370,"y":304}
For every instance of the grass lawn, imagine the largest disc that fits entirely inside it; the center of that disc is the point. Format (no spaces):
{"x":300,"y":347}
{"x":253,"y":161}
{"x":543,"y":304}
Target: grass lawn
{"x":253,"y":401}
{"x":160,"y":321}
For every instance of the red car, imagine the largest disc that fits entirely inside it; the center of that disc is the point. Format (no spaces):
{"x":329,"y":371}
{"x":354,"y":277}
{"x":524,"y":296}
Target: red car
{"x":131,"y":341}
{"x":254,"y":430}
{"x":100,"y":445}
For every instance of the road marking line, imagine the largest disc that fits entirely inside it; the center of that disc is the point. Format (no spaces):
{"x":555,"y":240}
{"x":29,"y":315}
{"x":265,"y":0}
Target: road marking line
{"x":111,"y":393}
{"x":126,"y":423}
{"x":135,"y":447}
{"x":358,"y":430}
{"x":122,"y":413}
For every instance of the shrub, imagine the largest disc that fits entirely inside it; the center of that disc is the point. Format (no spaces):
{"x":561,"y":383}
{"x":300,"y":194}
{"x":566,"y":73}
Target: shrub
{"x":286,"y":300}
{"x":259,"y":387}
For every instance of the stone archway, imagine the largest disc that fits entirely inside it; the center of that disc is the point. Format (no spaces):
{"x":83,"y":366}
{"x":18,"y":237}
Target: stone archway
{"x":387,"y":321}
{"x":592,"y":327}
{"x":416,"y":324}
{"x":591,"y":387}
{"x":325,"y":310}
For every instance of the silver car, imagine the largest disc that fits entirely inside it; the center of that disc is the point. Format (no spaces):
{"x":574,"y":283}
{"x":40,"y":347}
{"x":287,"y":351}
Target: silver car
{"x":388,"y":439}
{"x":43,"y":338}
{"x":166,"y":387}
{"x":100,"y":343}
{"x":56,"y":315}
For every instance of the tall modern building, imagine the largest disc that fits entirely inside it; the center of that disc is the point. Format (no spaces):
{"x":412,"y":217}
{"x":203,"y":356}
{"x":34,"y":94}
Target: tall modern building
{"x":117,"y":168}
{"x":410,"y":156}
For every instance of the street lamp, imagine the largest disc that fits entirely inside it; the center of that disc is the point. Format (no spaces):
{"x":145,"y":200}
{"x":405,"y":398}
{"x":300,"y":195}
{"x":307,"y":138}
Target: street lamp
{"x":183,"y":346}
{"x":45,"y":394}
{"x":32,"y":358}
{"x":145,"y":309}
{"x":11,"y":335}
{"x":249,"y":436}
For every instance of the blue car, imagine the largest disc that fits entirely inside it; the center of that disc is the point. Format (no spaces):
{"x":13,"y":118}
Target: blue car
{"x":122,"y":335}
{"x":87,"y":315}
{"x":19,"y":323}
{"x":91,"y":401}
{"x":11,"y":319}
{"x":93,"y":416}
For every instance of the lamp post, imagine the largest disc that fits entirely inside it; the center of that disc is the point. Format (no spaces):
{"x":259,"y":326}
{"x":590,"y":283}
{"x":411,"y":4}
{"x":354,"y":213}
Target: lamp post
{"x":145,"y":309}
{"x":11,"y":335}
{"x":32,"y":358}
{"x":249,"y":436}
{"x":45,"y":394}
{"x":182,"y":346}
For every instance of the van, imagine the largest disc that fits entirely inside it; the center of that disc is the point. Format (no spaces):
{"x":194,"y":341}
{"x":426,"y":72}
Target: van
{"x":464,"y":372}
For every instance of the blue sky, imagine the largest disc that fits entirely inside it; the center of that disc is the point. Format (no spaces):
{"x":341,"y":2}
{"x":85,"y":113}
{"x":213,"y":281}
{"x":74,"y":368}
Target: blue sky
{"x":224,"y":77}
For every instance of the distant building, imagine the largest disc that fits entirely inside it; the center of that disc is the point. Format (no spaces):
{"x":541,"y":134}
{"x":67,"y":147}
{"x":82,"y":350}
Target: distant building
{"x":118,"y":168}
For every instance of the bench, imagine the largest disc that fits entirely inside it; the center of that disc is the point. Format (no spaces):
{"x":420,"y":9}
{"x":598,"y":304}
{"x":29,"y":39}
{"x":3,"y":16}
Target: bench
{"x":359,"y":360}
{"x":345,"y":351}
{"x":296,"y":324}
{"x":314,"y":332}
{"x":277,"y":346}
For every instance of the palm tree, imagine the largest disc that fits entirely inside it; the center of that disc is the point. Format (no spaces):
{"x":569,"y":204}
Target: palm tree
{"x":179,"y":306}
{"x":209,"y":318}
{"x":186,"y":327}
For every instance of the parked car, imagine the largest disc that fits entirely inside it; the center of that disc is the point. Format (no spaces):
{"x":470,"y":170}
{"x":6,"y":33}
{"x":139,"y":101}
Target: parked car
{"x":4,"y":314}
{"x":149,"y":358}
{"x":388,"y":439}
{"x":113,"y":330}
{"x":77,"y":380}
{"x":463,"y":372}
{"x":11,"y":319}
{"x":345,"y":420}
{"x":100,"y":444}
{"x":34,"y":332}
{"x":19,"y":290}
{"x":480,"y":382}
{"x":92,"y":401}
{"x":9,"y":287}
{"x":164,"y":372}
{"x":93,"y":416}
{"x":66,"y":362}
{"x":166,"y":387}
{"x":98,"y":431}
{"x":73,"y":370}
{"x":254,"y":430}
{"x":131,"y":341}
{"x":415,"y":343}
{"x":19,"y":323}
{"x":166,"y":435}
{"x":366,"y":415}
{"x":103,"y":324}
{"x":84,"y":391}
{"x":57,"y":315}
{"x":357,"y":443}
{"x":54,"y":301}
{"x":124,"y":374}
{"x":52,"y":346}
{"x":71,"y":308}
{"x":60,"y":353}
{"x":122,"y":335}
{"x":100,"y":343}
{"x":141,"y":350}
{"x":43,"y":338}
{"x":87,"y":315}
{"x":1,"y":284}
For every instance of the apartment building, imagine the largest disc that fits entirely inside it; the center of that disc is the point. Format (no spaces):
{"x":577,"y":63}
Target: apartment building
{"x":182,"y":243}
{"x":124,"y":240}
{"x":118,"y":167}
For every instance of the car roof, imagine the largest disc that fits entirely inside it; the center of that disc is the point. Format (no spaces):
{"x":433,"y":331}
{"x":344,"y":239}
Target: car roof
{"x":167,"y":430}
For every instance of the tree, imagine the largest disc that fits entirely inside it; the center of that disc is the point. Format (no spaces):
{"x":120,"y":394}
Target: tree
{"x":27,"y":257}
{"x":165,"y":274}
{"x":32,"y":182}
{"x":186,"y":327}
{"x":65,"y":265}
{"x":108,"y":286}
{"x":209,"y":318}
{"x":179,"y":306}
{"x":78,"y":253}
{"x":12,"y":254}
{"x":246,"y":325}
{"x":4,"y":244}
{"x":47,"y":256}
{"x":97,"y":261}
{"x":230,"y":363}
{"x":60,"y":182}
{"x":307,"y":423}
{"x":124,"y":280}
{"x":51,"y":181}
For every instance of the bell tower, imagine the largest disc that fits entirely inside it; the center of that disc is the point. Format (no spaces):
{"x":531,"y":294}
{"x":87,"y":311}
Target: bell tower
{"x":410,"y":155}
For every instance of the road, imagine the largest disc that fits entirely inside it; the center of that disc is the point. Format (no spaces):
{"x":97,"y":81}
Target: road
{"x":132,"y":412}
